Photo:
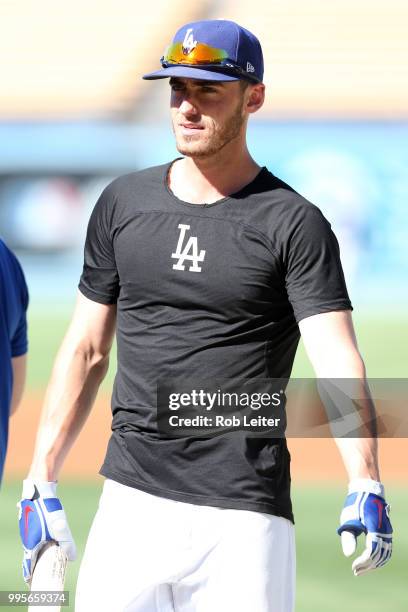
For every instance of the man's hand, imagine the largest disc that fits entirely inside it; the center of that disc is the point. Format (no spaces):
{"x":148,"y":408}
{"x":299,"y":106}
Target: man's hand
{"x":366,"y":510}
{"x":42,"y":519}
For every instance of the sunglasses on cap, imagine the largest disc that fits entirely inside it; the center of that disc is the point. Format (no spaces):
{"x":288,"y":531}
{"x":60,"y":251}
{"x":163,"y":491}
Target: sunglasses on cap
{"x":202,"y":55}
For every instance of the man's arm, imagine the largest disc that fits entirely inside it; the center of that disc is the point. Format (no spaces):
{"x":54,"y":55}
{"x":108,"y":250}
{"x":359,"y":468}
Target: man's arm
{"x":331,"y":345}
{"x":19,"y":365}
{"x":79,"y":369}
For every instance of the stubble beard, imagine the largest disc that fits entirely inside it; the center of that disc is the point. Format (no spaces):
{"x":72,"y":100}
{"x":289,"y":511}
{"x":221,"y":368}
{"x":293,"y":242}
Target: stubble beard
{"x":220,"y":136}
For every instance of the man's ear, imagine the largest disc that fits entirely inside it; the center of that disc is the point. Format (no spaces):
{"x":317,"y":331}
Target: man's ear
{"x":256,"y":97}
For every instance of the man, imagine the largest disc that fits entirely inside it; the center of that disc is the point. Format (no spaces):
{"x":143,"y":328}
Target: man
{"x":206,"y":266}
{"x":13,"y":341}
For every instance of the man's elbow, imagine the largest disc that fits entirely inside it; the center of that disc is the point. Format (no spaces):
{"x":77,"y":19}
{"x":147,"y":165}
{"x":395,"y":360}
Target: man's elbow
{"x":97,"y":360}
{"x":101,"y":366}
{"x":342,"y":364}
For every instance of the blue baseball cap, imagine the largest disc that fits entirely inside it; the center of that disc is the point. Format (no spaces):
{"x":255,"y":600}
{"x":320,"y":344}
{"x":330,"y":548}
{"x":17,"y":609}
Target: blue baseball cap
{"x":212,"y":50}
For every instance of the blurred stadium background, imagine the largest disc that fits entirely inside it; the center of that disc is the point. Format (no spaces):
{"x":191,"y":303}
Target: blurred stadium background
{"x":74,"y":113}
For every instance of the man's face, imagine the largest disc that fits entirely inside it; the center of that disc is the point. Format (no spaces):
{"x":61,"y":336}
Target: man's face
{"x":206,"y":115}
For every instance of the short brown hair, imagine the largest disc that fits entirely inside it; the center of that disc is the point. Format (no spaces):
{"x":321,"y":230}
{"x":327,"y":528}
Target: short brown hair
{"x":244,"y":84}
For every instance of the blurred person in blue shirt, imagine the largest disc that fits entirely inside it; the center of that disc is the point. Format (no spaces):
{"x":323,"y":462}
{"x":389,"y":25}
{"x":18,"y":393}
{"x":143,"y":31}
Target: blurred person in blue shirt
{"x":13,"y":341}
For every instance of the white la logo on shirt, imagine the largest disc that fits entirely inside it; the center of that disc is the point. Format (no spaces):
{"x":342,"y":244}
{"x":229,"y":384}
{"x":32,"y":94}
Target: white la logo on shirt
{"x":189,"y":43}
{"x":189,"y":252}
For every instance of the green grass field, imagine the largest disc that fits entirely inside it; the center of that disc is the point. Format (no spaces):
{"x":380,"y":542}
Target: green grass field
{"x":325,"y":582}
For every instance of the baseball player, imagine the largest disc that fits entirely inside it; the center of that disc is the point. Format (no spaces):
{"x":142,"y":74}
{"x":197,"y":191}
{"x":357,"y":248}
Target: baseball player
{"x":13,"y":341}
{"x":208,"y":265}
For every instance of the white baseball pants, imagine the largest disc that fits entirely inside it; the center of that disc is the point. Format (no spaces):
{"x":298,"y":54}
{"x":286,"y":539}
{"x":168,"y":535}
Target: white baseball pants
{"x":150,"y":554}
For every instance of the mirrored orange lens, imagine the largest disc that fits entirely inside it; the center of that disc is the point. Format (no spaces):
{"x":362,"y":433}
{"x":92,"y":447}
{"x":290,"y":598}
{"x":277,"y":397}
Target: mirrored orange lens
{"x":201,"y":54}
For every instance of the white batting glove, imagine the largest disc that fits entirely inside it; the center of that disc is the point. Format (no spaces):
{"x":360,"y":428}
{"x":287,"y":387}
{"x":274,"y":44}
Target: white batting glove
{"x":42,"y":519}
{"x":366,"y":511}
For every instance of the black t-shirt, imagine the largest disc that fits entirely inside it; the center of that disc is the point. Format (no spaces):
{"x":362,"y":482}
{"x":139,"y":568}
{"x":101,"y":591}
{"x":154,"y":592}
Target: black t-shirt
{"x":205,"y":290}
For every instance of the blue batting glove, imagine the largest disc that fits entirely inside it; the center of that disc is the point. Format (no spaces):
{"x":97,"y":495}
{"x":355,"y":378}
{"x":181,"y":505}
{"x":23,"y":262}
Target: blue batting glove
{"x":41,"y":520}
{"x":366,"y":511}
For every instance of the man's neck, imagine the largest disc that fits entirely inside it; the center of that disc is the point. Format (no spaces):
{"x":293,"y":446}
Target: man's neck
{"x":207,"y":180}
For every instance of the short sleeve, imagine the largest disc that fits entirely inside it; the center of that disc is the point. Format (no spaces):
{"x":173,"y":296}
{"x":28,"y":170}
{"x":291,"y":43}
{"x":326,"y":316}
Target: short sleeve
{"x":100,"y":280}
{"x":19,"y":340}
{"x":314,"y":276}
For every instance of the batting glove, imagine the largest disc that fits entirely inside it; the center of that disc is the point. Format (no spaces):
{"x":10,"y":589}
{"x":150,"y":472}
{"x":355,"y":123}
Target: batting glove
{"x":42,"y":519}
{"x":365,"y":510}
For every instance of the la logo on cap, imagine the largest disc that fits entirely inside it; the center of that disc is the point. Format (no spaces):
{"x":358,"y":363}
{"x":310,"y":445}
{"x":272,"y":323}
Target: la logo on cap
{"x":189,"y":43}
